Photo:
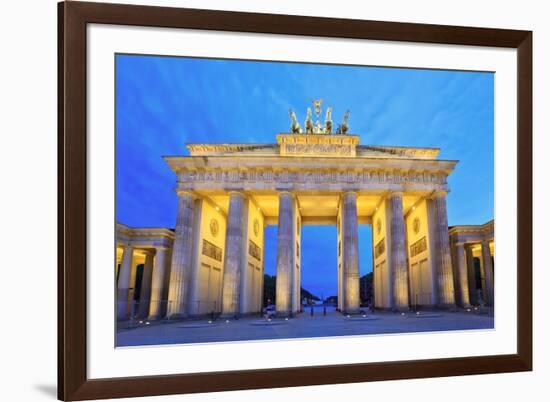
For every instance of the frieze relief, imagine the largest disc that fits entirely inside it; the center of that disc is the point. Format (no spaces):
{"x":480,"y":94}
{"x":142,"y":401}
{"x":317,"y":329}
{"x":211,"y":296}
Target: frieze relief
{"x":254,"y":250}
{"x":380,"y":248}
{"x":418,"y":247}
{"x":312,"y":176}
{"x":318,"y":149}
{"x":211,"y":250}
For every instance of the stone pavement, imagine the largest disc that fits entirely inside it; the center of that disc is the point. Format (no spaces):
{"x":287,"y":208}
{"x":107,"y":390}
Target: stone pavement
{"x":302,"y":326}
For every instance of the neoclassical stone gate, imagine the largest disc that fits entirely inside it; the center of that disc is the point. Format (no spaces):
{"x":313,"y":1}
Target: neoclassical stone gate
{"x":228,"y":193}
{"x":314,"y":179}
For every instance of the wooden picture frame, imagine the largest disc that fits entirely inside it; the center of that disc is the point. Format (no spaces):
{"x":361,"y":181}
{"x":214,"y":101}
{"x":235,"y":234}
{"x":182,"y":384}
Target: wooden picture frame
{"x":73,"y":17}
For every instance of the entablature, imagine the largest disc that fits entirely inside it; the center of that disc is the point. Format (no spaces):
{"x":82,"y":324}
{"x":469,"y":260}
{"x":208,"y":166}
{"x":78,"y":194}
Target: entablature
{"x":272,"y":179}
{"x":144,"y":237}
{"x":472,"y":233}
{"x":232,"y":149}
{"x":178,"y":163}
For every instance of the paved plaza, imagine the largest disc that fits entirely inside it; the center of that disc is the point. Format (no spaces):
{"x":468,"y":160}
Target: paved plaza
{"x":302,"y":326}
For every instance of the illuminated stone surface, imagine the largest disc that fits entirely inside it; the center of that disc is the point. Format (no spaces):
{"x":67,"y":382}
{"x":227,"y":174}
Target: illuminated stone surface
{"x":350,"y":251}
{"x":285,"y":250}
{"x":158,"y":288}
{"x":488,"y":272}
{"x":462,"y":276}
{"x":146,"y":282}
{"x":233,"y":265}
{"x":181,"y":255}
{"x":124,"y":282}
{"x":398,"y":253}
{"x":445,"y":281}
{"x":478,"y":241}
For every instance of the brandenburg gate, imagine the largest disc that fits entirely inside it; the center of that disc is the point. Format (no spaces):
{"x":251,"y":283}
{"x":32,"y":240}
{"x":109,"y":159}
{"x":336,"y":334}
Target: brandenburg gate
{"x":228,"y":193}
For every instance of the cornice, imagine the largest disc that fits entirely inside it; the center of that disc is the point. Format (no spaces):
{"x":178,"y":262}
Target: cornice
{"x":306,"y":163}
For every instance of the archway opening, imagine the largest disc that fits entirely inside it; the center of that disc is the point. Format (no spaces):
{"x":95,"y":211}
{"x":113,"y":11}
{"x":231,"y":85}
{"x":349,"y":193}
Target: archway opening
{"x":270,"y":266}
{"x":319,"y":265}
{"x":366,"y":275}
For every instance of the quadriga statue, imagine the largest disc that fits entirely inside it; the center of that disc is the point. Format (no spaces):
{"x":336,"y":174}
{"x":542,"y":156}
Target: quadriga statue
{"x":328,"y":121}
{"x":309,"y":123}
{"x":294,"y":125}
{"x":343,"y":127}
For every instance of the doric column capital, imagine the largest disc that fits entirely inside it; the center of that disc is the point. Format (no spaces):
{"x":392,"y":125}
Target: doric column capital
{"x":395,"y":194}
{"x":184,"y":192}
{"x":236,"y":193}
{"x":460,"y":244}
{"x":485,"y":247}
{"x":350,"y":193}
{"x":439,"y":194}
{"x":286,"y":192}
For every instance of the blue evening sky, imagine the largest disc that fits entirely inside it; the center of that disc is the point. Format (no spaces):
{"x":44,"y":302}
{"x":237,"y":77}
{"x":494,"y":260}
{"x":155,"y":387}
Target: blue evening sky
{"x":162,"y":103}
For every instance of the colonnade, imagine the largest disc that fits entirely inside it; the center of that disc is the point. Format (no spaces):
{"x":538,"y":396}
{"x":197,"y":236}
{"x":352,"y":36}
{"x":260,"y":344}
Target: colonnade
{"x":466,"y":275}
{"x":168,"y":284}
{"x":235,"y":261}
{"x":234,"y":257}
{"x":412,"y":255}
{"x":153,"y":283}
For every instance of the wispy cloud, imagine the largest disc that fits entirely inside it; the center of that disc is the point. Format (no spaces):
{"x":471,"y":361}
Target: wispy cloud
{"x":165,"y":102}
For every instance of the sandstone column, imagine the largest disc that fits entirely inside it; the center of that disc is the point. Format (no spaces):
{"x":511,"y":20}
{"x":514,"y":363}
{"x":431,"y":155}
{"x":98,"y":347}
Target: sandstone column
{"x":192,"y":301}
{"x":445,"y":284}
{"x":182,"y":255}
{"x":157,"y":283}
{"x":234,"y":238}
{"x":350,"y":253}
{"x":471,"y":275}
{"x":462,"y":272}
{"x":123,"y":284}
{"x":145,"y":291}
{"x":285,"y":251}
{"x":398,"y":253}
{"x":488,"y":271}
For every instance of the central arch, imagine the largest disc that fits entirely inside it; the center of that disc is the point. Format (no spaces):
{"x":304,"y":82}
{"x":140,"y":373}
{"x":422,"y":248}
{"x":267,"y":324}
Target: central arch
{"x":318,"y":269}
{"x":352,"y":256}
{"x":319,"y":259}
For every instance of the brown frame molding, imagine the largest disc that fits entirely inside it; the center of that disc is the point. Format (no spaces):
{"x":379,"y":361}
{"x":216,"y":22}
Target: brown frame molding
{"x":73,"y":383}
